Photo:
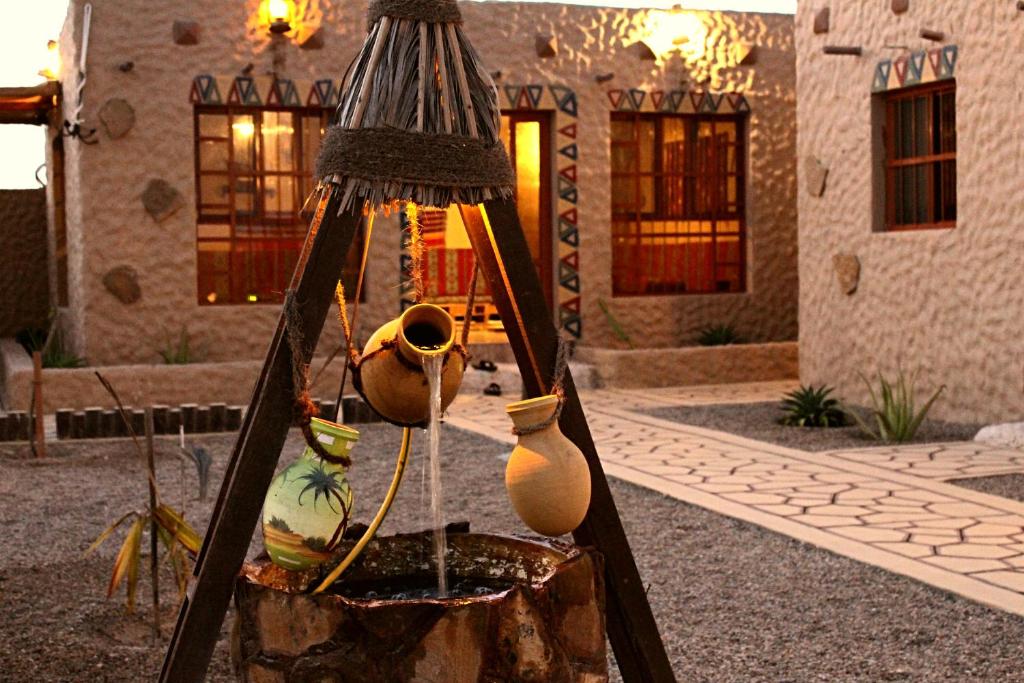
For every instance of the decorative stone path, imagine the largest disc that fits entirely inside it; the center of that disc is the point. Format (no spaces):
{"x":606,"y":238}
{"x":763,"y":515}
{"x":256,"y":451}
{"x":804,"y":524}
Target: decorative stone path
{"x":888,"y":507}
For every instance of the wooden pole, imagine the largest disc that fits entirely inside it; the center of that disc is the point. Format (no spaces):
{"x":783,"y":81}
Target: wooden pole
{"x":504,"y":258}
{"x":257,"y":449}
{"x":154,"y":567}
{"x":37,"y":408}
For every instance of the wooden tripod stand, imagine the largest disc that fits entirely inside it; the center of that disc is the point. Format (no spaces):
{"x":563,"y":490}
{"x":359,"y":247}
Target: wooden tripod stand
{"x":505,"y":261}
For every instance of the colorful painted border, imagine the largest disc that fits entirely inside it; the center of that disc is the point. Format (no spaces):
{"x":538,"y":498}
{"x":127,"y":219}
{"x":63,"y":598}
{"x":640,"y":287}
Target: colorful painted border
{"x":563,"y":102}
{"x":565,"y":105}
{"x":264,"y":91}
{"x":916,"y":68}
{"x":677,"y":101}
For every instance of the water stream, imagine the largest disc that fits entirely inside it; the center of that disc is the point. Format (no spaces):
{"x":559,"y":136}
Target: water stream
{"x":432,"y":366}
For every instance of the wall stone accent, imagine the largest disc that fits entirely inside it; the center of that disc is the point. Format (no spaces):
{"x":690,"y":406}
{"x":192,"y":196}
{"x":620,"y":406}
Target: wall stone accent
{"x":161,"y":200}
{"x":847,"y":268}
{"x":947,"y":302}
{"x":117,"y":117}
{"x":185,"y":32}
{"x":24,"y":275}
{"x":822,"y":20}
{"x":546,"y":45}
{"x":900,"y":6}
{"x":817,"y":176}
{"x":314,"y":41}
{"x":123,"y":283}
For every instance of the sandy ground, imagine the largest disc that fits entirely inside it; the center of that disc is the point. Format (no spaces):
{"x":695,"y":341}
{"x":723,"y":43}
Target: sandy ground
{"x":760,"y":421}
{"x":734,"y":602}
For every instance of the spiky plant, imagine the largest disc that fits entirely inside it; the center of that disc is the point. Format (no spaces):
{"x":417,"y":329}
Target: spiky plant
{"x":177,"y":536}
{"x":718,"y":335}
{"x":894,"y":410}
{"x":812,"y":407}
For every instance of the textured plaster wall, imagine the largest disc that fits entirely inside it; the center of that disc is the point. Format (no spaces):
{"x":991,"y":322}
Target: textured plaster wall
{"x":24,"y":291}
{"x":107,"y":226}
{"x":945,"y":302}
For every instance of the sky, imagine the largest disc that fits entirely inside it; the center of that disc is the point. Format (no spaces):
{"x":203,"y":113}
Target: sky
{"x":28,"y":25}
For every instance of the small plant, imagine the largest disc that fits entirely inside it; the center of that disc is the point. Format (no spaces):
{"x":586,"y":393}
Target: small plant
{"x":811,"y":407}
{"x":180,"y":352}
{"x":718,"y":335}
{"x":894,"y":410}
{"x":280,"y":525}
{"x":173,"y":531}
{"x":51,"y":345}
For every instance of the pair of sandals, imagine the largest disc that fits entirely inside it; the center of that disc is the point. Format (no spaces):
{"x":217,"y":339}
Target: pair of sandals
{"x":492,"y":389}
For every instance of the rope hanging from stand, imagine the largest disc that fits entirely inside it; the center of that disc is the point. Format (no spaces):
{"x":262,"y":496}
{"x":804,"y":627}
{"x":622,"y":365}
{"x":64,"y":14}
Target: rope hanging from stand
{"x":557,"y":388}
{"x":305,"y":409}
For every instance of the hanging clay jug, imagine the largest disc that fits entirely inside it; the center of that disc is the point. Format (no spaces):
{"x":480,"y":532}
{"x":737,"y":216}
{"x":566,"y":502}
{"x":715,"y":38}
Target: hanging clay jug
{"x":390,"y":372}
{"x":309,"y":503}
{"x":547,"y":477}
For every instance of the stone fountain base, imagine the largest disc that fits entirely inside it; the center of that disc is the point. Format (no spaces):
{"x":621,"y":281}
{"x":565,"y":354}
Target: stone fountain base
{"x":543,"y":622}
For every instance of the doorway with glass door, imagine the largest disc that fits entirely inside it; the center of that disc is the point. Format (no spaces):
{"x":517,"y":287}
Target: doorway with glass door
{"x":448,"y":262}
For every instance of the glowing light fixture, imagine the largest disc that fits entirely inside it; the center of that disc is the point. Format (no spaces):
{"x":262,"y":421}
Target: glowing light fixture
{"x":678,"y":30}
{"x":280,"y":14}
{"x":51,"y":71}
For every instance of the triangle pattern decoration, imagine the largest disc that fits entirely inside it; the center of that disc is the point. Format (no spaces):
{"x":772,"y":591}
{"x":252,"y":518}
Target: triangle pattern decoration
{"x":572,"y":260}
{"x":573,"y":326}
{"x":568,"y":277}
{"x":615,"y":97}
{"x":569,"y":173}
{"x":572,"y":305}
{"x":565,"y":99}
{"x":568,"y":234}
{"x":321,"y":94}
{"x":512,"y":92}
{"x":712,"y":102}
{"x":568,"y":131}
{"x":949,"y":57}
{"x":535,"y":92}
{"x":636,"y":98}
{"x":570,"y":216}
{"x":935,"y":59}
{"x":674,"y":100}
{"x":570,"y":151}
{"x":915,"y":68}
{"x":567,"y":191}
{"x":657,"y":97}
{"x":882,"y":70}
{"x":900,"y":65}
{"x":697,"y":100}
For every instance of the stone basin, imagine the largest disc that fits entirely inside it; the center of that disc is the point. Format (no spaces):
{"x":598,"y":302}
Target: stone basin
{"x":541,"y":619}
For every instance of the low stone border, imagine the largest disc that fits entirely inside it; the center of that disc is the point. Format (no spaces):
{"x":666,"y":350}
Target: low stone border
{"x":99,"y":423}
{"x":15,"y":426}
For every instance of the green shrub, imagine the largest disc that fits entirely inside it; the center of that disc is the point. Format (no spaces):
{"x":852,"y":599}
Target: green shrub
{"x":810,"y":407}
{"x":894,"y":410}
{"x":718,"y":335}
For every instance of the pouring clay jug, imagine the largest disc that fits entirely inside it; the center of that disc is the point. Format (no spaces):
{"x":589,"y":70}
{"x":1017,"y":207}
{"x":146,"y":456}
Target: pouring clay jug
{"x":308,"y":504}
{"x":547,"y":476}
{"x":390,"y":372}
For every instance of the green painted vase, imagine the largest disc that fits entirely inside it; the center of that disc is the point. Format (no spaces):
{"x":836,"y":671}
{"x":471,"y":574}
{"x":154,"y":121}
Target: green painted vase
{"x":308,"y":504}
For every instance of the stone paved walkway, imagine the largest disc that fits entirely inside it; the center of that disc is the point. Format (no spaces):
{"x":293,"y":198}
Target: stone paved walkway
{"x":889,"y":507}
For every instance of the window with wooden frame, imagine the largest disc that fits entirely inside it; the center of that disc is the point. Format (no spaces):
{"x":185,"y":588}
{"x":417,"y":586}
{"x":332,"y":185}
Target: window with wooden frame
{"x":919,"y":138}
{"x":678,"y":209}
{"x":254,"y":170}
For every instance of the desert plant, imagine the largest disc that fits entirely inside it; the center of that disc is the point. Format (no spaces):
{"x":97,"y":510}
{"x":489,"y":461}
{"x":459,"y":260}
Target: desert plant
{"x":51,"y":345}
{"x":718,"y":335}
{"x":181,"y":350}
{"x":617,"y":329}
{"x":812,"y":407}
{"x":173,"y":531}
{"x":169,"y":525}
{"x":894,"y":410}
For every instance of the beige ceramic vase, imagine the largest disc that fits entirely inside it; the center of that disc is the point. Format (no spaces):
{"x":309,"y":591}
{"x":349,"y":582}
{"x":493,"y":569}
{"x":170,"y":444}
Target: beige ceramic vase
{"x":391,"y":369}
{"x":547,"y":477}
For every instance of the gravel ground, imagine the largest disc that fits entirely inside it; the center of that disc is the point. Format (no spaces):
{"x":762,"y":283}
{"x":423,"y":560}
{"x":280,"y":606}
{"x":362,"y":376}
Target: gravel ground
{"x":735,"y":602}
{"x":760,"y":421}
{"x":1005,"y":485}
